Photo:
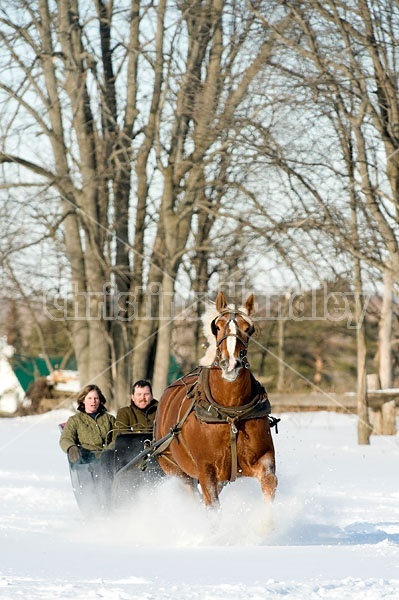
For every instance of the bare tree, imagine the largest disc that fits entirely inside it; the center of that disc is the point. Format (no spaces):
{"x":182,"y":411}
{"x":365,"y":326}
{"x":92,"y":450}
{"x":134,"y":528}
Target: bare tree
{"x":338,"y":68}
{"x":132,"y":114}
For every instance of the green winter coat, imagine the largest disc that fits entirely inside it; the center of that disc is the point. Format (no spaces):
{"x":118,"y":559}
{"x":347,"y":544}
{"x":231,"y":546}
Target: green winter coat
{"x":132,"y":418}
{"x":94,"y":434}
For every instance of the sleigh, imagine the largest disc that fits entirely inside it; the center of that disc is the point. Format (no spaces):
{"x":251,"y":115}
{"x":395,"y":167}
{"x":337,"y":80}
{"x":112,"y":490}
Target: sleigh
{"x":111,"y":482}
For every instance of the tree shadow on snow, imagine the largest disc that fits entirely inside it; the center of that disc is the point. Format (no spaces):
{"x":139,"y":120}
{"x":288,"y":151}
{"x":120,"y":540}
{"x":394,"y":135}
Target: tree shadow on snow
{"x":354,"y":534}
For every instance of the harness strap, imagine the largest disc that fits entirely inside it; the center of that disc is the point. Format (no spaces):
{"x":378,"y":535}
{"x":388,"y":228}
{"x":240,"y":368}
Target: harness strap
{"x":233,"y":447}
{"x":228,"y":411}
{"x":231,"y":414}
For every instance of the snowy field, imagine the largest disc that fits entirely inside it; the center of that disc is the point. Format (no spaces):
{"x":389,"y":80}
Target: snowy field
{"x":333,"y":531}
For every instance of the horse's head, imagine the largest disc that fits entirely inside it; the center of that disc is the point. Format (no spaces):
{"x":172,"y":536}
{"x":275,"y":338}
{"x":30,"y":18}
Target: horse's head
{"x":232,"y":329}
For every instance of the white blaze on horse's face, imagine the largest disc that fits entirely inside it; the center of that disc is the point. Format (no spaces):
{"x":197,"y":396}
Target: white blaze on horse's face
{"x":231,"y":330}
{"x":231,"y":344}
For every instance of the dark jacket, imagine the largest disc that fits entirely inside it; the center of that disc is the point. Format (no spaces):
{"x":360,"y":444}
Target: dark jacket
{"x":94,"y":434}
{"x":132,"y":418}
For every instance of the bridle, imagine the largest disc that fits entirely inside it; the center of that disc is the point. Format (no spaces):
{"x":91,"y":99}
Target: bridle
{"x":240,"y":335}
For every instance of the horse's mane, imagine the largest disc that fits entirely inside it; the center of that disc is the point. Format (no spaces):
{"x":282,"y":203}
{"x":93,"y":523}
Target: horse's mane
{"x":209,"y":315}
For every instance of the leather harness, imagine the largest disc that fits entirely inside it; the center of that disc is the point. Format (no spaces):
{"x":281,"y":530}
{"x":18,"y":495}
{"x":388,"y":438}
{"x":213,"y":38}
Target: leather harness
{"x":207,"y":409}
{"x":210,"y":411}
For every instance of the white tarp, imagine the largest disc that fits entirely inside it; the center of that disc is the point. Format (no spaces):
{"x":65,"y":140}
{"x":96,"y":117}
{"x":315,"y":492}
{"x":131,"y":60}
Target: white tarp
{"x":11,"y":391}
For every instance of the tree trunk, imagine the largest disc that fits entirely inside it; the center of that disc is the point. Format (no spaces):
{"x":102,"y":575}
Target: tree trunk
{"x":280,"y":354}
{"x":164,"y":338}
{"x":363,"y":423}
{"x":99,"y":342}
{"x":145,"y":330}
{"x":385,"y":333}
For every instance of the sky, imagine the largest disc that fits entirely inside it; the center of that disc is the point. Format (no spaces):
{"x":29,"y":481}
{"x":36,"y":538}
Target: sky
{"x":332,"y":531}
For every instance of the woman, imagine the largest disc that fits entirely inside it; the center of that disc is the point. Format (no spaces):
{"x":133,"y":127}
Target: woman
{"x":86,"y":434}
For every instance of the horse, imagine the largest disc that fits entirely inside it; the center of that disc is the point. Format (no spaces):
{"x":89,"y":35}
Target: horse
{"x":216,"y":419}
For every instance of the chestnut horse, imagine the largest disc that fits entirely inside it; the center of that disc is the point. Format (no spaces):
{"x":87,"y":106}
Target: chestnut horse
{"x":217,"y":417}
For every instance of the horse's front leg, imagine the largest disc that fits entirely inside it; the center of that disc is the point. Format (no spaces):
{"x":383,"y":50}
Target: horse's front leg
{"x":265,"y":472}
{"x":209,"y":485}
{"x":171,"y":468}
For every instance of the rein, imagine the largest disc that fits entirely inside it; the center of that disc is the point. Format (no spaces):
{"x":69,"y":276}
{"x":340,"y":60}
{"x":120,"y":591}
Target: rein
{"x":161,"y":445}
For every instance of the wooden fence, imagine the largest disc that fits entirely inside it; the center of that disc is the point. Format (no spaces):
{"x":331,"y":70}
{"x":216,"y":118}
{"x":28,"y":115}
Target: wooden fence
{"x":383,"y":406}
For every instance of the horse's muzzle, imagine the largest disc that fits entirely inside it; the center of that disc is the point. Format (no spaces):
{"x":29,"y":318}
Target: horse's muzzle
{"x":230,"y":375}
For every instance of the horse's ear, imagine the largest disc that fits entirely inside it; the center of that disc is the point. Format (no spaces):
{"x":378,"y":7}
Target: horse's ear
{"x":250,"y":304}
{"x":221,"y":302}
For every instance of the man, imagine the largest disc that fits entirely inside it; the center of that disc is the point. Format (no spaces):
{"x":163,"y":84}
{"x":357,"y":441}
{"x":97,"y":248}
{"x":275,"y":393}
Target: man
{"x":139,"y":416}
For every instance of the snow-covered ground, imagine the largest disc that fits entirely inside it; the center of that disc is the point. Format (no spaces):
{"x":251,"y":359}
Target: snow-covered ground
{"x":333,"y":531}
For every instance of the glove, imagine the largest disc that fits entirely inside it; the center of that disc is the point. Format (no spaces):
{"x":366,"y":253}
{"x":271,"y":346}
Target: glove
{"x":74,"y":454}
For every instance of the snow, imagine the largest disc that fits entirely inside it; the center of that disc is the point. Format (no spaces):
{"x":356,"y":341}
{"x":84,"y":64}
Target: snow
{"x":332,"y":532}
